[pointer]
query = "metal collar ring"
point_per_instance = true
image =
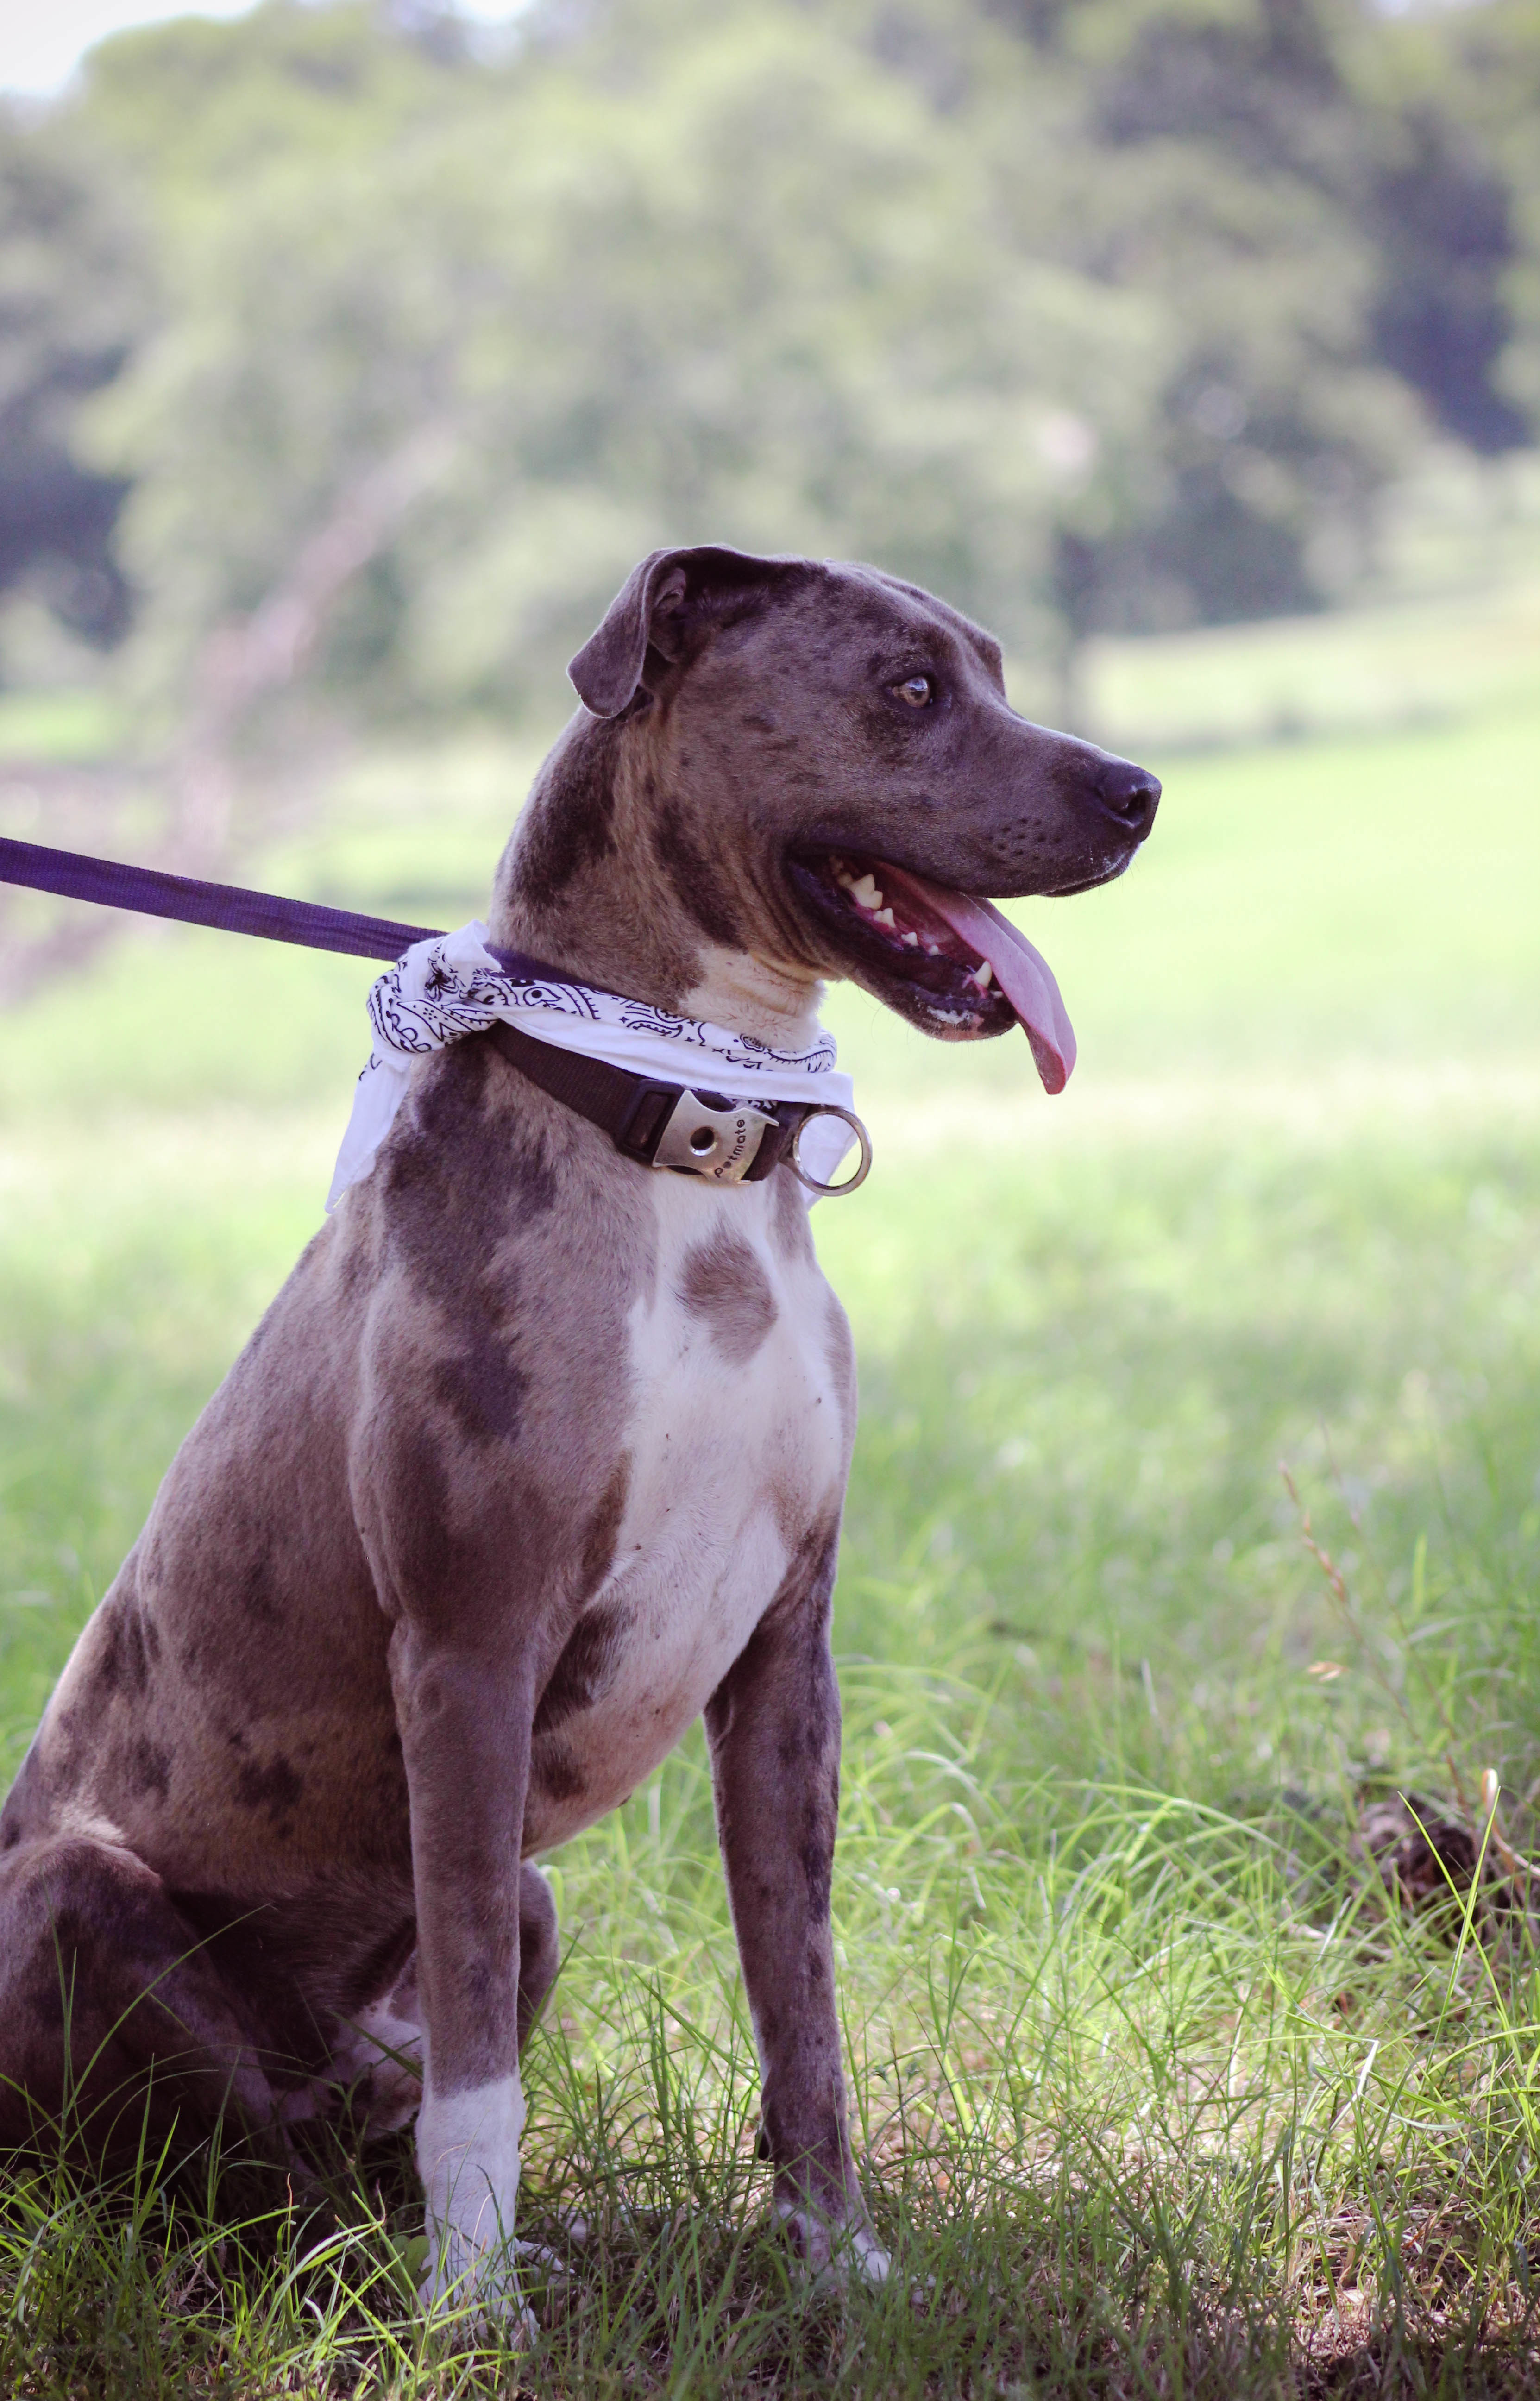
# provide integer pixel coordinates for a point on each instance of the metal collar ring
(831, 1191)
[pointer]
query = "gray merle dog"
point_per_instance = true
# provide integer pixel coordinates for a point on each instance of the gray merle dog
(538, 1453)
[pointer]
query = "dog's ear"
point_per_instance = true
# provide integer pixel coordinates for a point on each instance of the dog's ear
(656, 609)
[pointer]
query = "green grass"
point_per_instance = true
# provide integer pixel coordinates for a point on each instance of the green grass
(1415, 663)
(1160, 2091)
(57, 725)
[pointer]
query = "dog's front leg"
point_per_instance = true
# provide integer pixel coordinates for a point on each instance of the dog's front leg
(774, 1726)
(465, 1722)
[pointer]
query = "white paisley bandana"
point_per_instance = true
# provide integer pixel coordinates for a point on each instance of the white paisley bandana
(451, 985)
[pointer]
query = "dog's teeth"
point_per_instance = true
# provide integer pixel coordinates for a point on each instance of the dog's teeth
(883, 917)
(913, 941)
(933, 949)
(865, 892)
(985, 976)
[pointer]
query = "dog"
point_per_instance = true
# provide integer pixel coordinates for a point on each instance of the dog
(540, 1454)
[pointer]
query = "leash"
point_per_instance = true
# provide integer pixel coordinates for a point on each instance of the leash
(656, 1124)
(152, 893)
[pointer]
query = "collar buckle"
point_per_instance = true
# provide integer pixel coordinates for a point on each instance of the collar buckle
(720, 1144)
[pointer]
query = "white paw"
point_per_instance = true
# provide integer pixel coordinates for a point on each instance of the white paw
(377, 2058)
(542, 2260)
(478, 2286)
(869, 2259)
(839, 2253)
(467, 2147)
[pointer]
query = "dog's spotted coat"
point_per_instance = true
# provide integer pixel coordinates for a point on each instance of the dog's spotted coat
(538, 1456)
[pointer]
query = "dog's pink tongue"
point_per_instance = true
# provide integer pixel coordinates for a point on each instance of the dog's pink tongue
(1022, 974)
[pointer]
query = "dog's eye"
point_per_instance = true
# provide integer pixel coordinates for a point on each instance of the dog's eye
(917, 691)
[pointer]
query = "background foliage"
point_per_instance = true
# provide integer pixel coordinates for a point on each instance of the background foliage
(1109, 316)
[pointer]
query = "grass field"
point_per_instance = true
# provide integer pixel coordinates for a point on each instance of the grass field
(1161, 2092)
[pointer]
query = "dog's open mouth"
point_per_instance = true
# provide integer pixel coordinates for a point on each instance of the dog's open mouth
(953, 964)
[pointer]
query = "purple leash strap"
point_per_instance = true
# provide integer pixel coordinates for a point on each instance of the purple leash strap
(153, 893)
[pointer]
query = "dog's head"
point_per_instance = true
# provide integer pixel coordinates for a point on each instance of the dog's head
(821, 764)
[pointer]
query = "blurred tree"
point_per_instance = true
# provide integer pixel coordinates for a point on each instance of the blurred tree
(1486, 62)
(1443, 221)
(75, 297)
(1392, 121)
(1329, 239)
(1437, 195)
(1114, 314)
(198, 107)
(716, 276)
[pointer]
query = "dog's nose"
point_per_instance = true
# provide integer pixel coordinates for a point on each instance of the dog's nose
(1129, 793)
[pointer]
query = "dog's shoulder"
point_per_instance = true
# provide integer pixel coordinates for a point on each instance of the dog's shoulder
(482, 1175)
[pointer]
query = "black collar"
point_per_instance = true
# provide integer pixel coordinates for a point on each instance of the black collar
(670, 1125)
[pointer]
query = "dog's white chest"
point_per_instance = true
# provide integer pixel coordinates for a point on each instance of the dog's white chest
(738, 1441)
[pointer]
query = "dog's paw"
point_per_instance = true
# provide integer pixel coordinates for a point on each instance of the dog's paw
(467, 2149)
(474, 2291)
(542, 2263)
(838, 2253)
(857, 2259)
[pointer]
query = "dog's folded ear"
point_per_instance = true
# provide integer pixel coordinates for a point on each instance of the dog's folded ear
(658, 609)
